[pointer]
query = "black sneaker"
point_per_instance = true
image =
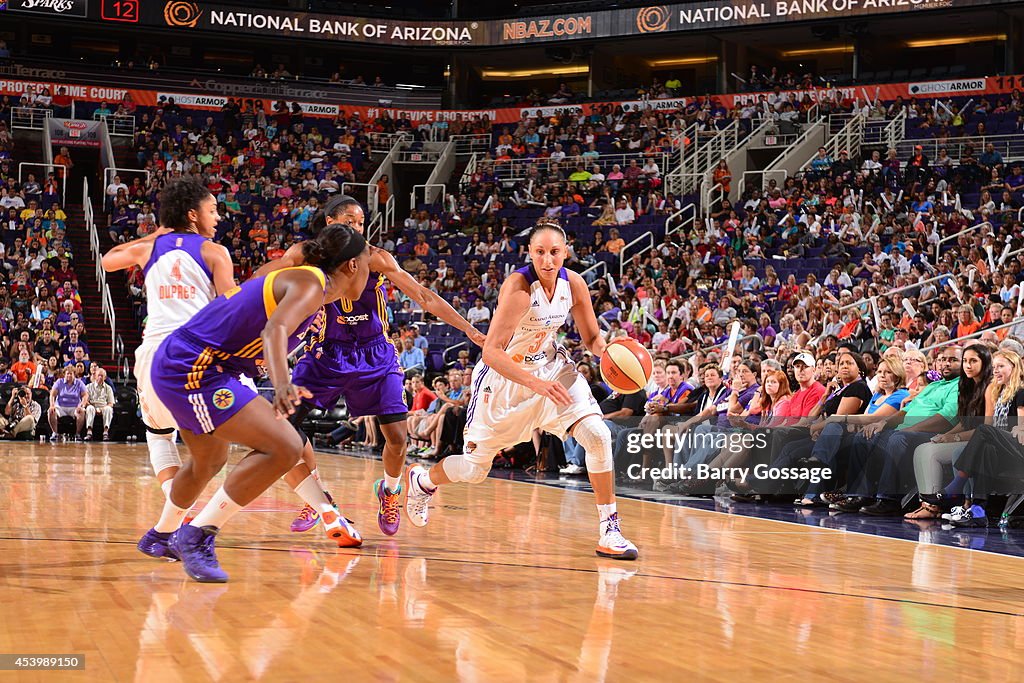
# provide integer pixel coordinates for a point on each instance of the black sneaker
(852, 504)
(882, 508)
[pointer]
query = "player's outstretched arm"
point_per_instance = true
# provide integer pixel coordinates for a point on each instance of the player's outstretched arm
(293, 257)
(584, 317)
(513, 303)
(384, 263)
(134, 253)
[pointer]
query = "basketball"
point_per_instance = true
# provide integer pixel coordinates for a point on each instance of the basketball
(626, 366)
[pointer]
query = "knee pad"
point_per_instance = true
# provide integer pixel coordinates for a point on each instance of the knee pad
(595, 437)
(163, 451)
(461, 468)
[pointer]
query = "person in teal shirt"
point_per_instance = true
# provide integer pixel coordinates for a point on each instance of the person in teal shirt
(894, 438)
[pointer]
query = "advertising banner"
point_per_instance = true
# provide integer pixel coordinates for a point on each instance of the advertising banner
(74, 133)
(192, 15)
(212, 101)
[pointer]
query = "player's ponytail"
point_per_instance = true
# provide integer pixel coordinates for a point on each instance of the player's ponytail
(333, 246)
(312, 253)
(334, 208)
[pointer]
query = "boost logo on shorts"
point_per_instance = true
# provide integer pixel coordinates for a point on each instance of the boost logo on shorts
(223, 398)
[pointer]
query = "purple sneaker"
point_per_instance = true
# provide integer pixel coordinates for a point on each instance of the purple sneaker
(154, 544)
(194, 545)
(306, 520)
(389, 513)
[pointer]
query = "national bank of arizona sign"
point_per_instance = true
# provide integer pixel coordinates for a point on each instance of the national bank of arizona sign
(194, 15)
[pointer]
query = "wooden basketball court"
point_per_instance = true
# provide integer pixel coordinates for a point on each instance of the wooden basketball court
(502, 586)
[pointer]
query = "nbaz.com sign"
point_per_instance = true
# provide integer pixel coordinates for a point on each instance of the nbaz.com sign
(61, 8)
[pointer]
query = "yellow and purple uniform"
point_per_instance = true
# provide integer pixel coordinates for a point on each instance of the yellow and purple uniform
(354, 357)
(196, 370)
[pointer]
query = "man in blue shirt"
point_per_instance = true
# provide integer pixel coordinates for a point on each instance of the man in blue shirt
(419, 342)
(990, 158)
(412, 359)
(1015, 181)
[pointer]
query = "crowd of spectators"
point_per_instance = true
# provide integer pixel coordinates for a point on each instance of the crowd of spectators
(43, 335)
(807, 266)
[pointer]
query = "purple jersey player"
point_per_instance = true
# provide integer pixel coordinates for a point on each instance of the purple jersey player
(357, 360)
(196, 371)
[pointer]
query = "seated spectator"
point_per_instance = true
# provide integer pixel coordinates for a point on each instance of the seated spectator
(624, 214)
(67, 399)
(21, 414)
(479, 313)
(412, 359)
(100, 399)
(25, 368)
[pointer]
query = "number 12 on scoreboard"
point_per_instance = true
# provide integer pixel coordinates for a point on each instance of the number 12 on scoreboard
(120, 10)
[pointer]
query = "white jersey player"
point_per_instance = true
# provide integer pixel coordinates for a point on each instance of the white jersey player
(527, 381)
(184, 271)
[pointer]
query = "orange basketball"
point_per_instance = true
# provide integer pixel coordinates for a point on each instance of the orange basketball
(626, 366)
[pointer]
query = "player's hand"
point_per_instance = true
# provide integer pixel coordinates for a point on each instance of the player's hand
(553, 391)
(287, 397)
(162, 230)
(477, 337)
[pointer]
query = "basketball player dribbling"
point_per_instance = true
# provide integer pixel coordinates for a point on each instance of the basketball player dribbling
(357, 360)
(527, 381)
(196, 375)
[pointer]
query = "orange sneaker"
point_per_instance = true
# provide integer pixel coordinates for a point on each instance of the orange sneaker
(341, 530)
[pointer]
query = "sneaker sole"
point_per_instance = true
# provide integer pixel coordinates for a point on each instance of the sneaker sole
(343, 539)
(167, 554)
(206, 579)
(338, 533)
(630, 554)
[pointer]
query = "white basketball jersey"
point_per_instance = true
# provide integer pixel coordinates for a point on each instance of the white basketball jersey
(178, 283)
(535, 340)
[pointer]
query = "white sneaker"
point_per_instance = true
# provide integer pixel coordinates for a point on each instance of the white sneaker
(572, 468)
(417, 499)
(612, 543)
(956, 514)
